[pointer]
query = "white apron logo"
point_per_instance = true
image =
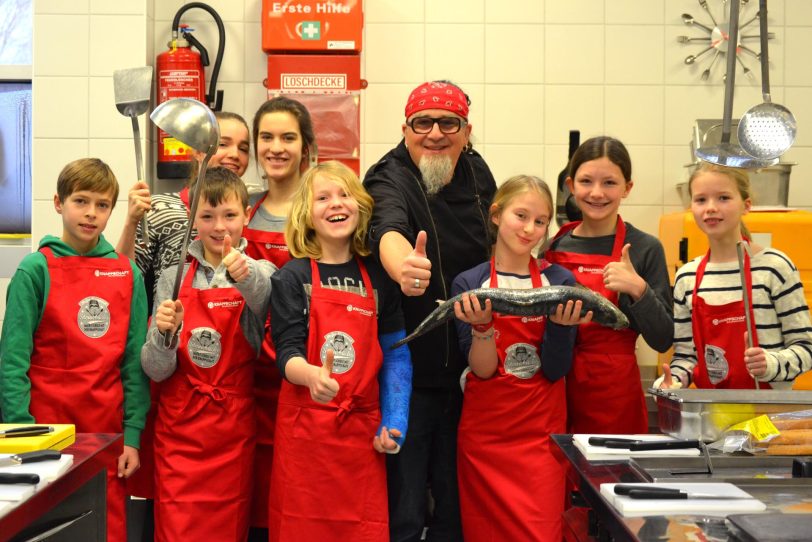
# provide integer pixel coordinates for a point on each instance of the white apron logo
(522, 360)
(728, 320)
(344, 352)
(93, 317)
(365, 312)
(113, 274)
(593, 270)
(205, 347)
(716, 364)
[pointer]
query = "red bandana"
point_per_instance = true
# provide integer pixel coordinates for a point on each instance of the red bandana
(433, 95)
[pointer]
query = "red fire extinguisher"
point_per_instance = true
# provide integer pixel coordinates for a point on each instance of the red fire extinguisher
(181, 75)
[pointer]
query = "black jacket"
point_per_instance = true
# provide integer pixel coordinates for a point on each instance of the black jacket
(455, 221)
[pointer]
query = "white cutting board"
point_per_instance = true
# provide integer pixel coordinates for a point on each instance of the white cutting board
(629, 507)
(48, 471)
(601, 453)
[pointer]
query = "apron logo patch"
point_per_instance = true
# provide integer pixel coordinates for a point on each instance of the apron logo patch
(344, 352)
(283, 248)
(226, 304)
(93, 317)
(526, 319)
(205, 347)
(593, 270)
(716, 364)
(522, 360)
(113, 274)
(728, 320)
(365, 312)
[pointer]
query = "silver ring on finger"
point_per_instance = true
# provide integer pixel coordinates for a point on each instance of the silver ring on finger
(417, 283)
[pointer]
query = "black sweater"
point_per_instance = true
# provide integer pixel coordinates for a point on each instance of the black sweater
(455, 220)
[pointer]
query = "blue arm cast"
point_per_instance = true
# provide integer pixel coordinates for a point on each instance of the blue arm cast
(395, 381)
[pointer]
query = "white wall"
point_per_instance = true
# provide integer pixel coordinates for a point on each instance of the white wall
(534, 69)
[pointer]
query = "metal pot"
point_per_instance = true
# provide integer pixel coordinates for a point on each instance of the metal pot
(770, 185)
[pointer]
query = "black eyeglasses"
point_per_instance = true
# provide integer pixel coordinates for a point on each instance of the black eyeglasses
(424, 125)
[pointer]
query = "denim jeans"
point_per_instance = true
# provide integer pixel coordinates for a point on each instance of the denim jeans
(428, 456)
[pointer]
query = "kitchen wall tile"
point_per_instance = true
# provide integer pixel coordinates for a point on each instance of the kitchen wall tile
(799, 102)
(61, 6)
(565, 64)
(685, 104)
(800, 190)
(117, 42)
(150, 9)
(634, 55)
(634, 114)
(119, 154)
(574, 12)
(228, 10)
(797, 12)
(233, 65)
(514, 53)
(60, 45)
(796, 50)
(372, 152)
(252, 11)
(508, 160)
(45, 220)
(255, 95)
(383, 106)
(394, 53)
(635, 12)
(647, 174)
(462, 46)
(107, 122)
(63, 113)
(51, 155)
(570, 107)
(119, 7)
(675, 157)
(394, 11)
(514, 113)
(233, 98)
(455, 11)
(555, 159)
(514, 11)
(476, 114)
(165, 10)
(643, 217)
(254, 58)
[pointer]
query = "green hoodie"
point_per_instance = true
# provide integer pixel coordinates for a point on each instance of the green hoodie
(25, 303)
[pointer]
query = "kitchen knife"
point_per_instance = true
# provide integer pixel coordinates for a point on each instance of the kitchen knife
(30, 457)
(644, 446)
(19, 478)
(678, 494)
(26, 431)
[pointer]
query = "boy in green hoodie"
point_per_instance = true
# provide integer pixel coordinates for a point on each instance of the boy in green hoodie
(70, 348)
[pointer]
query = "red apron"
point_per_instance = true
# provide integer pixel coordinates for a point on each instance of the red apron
(604, 393)
(328, 483)
(511, 486)
(271, 246)
(76, 362)
(205, 429)
(142, 483)
(719, 338)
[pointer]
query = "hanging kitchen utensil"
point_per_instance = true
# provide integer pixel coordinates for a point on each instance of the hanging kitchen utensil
(767, 130)
(195, 125)
(132, 88)
(746, 298)
(725, 153)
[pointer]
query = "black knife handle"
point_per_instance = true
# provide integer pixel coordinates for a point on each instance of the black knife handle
(601, 441)
(663, 445)
(624, 489)
(29, 431)
(19, 478)
(39, 455)
(657, 494)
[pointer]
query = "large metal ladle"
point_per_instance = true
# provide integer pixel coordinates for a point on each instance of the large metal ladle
(767, 130)
(193, 124)
(725, 153)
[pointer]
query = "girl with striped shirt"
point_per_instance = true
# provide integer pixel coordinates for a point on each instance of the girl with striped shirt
(710, 330)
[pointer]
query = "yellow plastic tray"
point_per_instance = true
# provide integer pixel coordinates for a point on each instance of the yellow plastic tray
(63, 436)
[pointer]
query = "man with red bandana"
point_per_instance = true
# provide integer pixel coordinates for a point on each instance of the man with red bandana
(432, 193)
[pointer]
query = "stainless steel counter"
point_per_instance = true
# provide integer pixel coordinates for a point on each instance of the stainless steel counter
(779, 492)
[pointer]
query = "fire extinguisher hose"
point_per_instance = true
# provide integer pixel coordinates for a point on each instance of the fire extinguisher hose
(214, 98)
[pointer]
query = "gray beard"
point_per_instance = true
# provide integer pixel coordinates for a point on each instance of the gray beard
(436, 172)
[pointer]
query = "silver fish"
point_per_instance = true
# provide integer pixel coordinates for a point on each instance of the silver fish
(528, 302)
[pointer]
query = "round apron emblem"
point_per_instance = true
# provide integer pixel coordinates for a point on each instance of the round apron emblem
(522, 360)
(93, 317)
(344, 352)
(716, 363)
(204, 347)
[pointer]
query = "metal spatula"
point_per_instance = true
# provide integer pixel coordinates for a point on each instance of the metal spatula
(133, 87)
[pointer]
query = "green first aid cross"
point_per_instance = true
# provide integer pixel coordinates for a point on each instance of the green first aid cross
(311, 30)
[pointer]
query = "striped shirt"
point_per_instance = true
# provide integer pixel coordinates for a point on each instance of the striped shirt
(780, 311)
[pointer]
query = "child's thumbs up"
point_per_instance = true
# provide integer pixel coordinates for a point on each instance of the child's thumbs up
(415, 273)
(226, 245)
(234, 261)
(325, 386)
(624, 254)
